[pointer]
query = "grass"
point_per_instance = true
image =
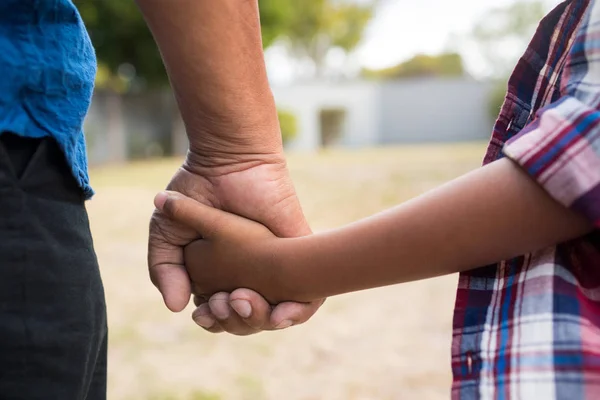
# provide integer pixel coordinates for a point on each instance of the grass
(383, 344)
(195, 395)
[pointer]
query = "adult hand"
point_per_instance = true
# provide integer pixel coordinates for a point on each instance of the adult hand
(257, 187)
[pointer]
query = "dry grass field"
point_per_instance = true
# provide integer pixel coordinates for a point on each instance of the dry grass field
(390, 343)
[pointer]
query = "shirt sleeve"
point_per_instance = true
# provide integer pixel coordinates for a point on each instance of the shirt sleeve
(560, 149)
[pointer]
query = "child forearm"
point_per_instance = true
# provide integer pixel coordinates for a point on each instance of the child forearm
(494, 213)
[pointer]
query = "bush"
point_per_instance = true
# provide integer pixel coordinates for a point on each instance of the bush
(496, 99)
(288, 124)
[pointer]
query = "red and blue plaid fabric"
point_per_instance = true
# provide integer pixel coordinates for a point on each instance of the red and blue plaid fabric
(529, 328)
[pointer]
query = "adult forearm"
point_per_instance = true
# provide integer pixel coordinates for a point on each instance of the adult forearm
(491, 214)
(213, 54)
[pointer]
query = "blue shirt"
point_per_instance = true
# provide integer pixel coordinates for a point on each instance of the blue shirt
(47, 72)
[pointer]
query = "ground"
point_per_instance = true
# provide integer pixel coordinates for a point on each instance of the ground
(390, 343)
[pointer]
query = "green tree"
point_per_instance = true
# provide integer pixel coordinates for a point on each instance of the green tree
(312, 27)
(275, 16)
(125, 47)
(509, 27)
(422, 65)
(501, 28)
(128, 57)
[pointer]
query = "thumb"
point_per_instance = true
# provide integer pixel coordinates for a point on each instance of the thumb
(207, 221)
(165, 260)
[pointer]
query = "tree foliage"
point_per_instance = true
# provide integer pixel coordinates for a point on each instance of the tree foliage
(274, 19)
(421, 65)
(121, 39)
(501, 28)
(124, 45)
(504, 28)
(313, 27)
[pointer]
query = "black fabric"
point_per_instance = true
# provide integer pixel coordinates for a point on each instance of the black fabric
(53, 333)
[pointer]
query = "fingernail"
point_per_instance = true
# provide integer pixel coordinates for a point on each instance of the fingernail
(242, 307)
(204, 321)
(284, 324)
(160, 200)
(220, 309)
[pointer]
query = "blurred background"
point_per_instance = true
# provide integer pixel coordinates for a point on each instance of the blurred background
(379, 101)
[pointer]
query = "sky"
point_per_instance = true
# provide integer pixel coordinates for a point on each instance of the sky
(402, 28)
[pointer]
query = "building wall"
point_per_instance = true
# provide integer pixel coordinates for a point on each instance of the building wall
(360, 100)
(119, 128)
(434, 110)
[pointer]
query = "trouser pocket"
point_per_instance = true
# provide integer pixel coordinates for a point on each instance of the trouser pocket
(18, 153)
(38, 167)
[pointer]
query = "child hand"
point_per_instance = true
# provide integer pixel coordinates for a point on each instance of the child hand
(235, 252)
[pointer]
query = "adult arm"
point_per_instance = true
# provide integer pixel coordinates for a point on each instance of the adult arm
(213, 54)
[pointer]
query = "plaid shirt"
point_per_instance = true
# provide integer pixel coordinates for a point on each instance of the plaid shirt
(529, 328)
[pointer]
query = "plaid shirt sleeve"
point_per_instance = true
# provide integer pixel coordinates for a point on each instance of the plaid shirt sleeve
(560, 148)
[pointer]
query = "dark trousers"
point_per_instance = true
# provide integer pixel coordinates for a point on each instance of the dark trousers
(53, 331)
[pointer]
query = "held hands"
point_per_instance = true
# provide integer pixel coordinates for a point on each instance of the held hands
(235, 160)
(234, 251)
(259, 190)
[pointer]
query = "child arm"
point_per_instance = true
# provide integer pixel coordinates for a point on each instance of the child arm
(494, 213)
(490, 214)
(509, 208)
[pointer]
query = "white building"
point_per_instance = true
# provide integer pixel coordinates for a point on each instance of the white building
(364, 113)
(351, 114)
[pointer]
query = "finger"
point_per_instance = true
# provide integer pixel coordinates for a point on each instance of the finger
(173, 283)
(200, 299)
(204, 319)
(251, 307)
(289, 314)
(204, 219)
(168, 274)
(229, 320)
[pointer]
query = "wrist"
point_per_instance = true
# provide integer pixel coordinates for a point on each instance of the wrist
(209, 161)
(234, 135)
(271, 260)
(285, 261)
